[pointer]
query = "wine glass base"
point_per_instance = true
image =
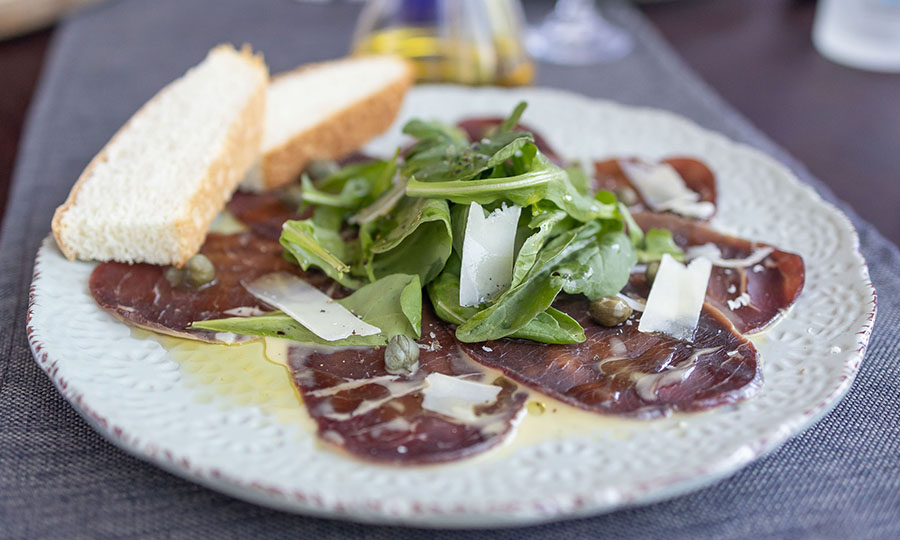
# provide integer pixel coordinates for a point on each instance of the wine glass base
(578, 43)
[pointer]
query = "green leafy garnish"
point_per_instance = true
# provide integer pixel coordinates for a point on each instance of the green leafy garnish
(393, 304)
(378, 222)
(415, 238)
(552, 326)
(655, 244)
(309, 244)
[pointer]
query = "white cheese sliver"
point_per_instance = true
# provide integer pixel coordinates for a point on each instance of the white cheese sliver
(309, 306)
(487, 254)
(663, 189)
(712, 252)
(455, 397)
(676, 298)
(634, 303)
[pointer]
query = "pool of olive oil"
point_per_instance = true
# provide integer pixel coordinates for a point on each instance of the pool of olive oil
(256, 374)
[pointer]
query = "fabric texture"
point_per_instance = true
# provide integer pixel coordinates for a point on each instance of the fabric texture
(59, 479)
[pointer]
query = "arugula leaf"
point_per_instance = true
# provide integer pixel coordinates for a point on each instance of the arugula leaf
(635, 234)
(545, 180)
(434, 133)
(656, 243)
(515, 310)
(601, 268)
(393, 304)
(594, 259)
(352, 194)
(580, 179)
(371, 171)
(384, 204)
(351, 187)
(512, 120)
(415, 238)
(444, 294)
(443, 152)
(546, 223)
(310, 244)
(464, 163)
(550, 326)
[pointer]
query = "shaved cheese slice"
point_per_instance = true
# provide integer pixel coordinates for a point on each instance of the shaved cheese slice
(455, 397)
(309, 306)
(676, 298)
(487, 254)
(634, 303)
(663, 189)
(714, 254)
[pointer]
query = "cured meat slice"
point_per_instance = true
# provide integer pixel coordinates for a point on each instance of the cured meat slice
(608, 175)
(141, 295)
(262, 213)
(622, 371)
(377, 416)
(759, 282)
(477, 128)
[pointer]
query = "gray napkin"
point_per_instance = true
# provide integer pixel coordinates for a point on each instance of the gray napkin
(59, 479)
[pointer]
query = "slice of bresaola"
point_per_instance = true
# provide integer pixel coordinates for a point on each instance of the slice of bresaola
(608, 175)
(622, 371)
(751, 283)
(377, 416)
(262, 213)
(141, 295)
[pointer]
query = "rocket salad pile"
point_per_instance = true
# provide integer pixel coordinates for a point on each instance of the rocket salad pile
(492, 229)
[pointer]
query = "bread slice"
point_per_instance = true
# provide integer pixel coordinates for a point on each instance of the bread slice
(152, 192)
(327, 111)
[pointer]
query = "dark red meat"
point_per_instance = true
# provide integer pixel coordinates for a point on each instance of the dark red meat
(262, 213)
(361, 408)
(773, 284)
(140, 293)
(697, 177)
(626, 372)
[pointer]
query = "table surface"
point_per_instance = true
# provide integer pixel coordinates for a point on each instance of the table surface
(757, 55)
(839, 479)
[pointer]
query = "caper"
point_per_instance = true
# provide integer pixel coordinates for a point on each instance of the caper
(650, 272)
(318, 169)
(627, 196)
(199, 270)
(609, 310)
(401, 356)
(175, 276)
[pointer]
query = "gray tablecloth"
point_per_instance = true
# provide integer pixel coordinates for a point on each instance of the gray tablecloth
(840, 479)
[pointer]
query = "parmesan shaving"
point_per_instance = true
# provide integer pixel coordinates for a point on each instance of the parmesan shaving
(663, 189)
(309, 306)
(676, 298)
(455, 397)
(487, 254)
(714, 254)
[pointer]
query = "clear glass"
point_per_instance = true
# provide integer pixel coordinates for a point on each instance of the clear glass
(471, 42)
(864, 34)
(575, 34)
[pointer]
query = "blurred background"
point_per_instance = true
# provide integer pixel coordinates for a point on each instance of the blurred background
(820, 78)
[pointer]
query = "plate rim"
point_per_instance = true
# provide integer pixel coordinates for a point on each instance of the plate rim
(526, 512)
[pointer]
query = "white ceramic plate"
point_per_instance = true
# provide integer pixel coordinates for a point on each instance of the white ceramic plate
(133, 392)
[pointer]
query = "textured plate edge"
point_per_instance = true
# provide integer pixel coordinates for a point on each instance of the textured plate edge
(505, 514)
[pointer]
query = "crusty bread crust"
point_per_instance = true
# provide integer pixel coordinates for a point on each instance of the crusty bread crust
(241, 149)
(337, 136)
(225, 173)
